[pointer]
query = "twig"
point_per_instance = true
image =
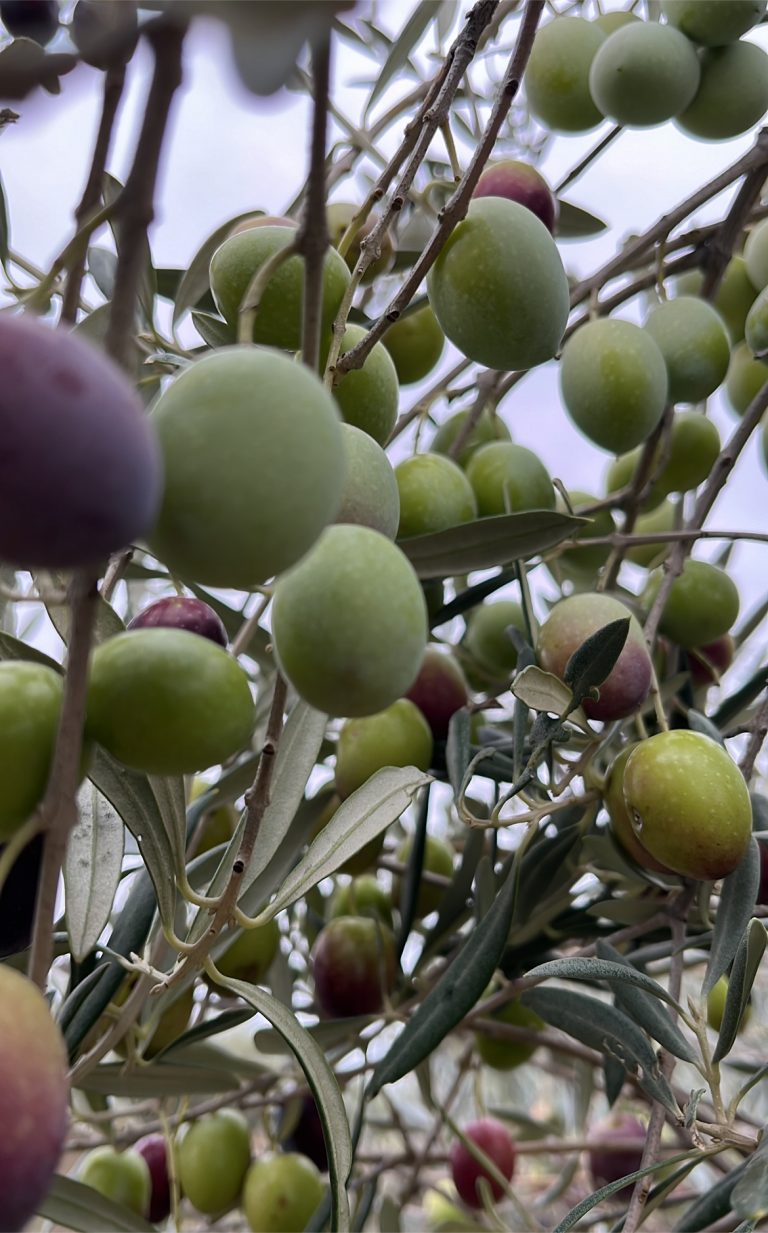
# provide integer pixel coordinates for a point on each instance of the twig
(58, 811)
(588, 159)
(754, 158)
(667, 1065)
(135, 205)
(312, 240)
(114, 82)
(256, 801)
(720, 247)
(721, 470)
(757, 737)
(456, 208)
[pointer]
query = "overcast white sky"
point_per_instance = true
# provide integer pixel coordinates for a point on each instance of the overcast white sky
(229, 152)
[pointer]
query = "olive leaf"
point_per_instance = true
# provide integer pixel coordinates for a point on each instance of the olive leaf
(737, 903)
(593, 661)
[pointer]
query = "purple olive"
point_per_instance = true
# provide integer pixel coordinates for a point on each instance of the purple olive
(182, 612)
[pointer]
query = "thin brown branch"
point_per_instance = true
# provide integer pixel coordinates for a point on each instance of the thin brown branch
(135, 205)
(456, 208)
(58, 811)
(720, 247)
(667, 1065)
(754, 158)
(589, 158)
(114, 81)
(312, 240)
(757, 737)
(256, 801)
(706, 499)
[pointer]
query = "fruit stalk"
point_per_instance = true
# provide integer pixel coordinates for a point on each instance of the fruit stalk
(461, 55)
(312, 240)
(256, 800)
(135, 206)
(58, 811)
(706, 499)
(114, 81)
(667, 1065)
(756, 157)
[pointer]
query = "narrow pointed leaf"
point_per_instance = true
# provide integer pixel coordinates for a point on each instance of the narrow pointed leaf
(324, 1088)
(213, 330)
(160, 1079)
(453, 996)
(541, 691)
(603, 1027)
(404, 44)
(737, 903)
(574, 223)
(594, 660)
(577, 1213)
(749, 1197)
(73, 1205)
(132, 797)
(645, 1010)
(358, 820)
(742, 978)
(92, 869)
(487, 542)
(601, 969)
(713, 1205)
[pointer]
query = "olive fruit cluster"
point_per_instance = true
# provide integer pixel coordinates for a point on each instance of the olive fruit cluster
(695, 69)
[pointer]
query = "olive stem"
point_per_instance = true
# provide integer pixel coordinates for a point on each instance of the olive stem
(312, 239)
(456, 207)
(135, 204)
(114, 82)
(58, 811)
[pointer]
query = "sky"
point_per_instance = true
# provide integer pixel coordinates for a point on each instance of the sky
(229, 151)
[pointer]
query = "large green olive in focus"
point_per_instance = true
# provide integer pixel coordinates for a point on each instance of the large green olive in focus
(349, 623)
(254, 467)
(689, 803)
(557, 76)
(435, 494)
(368, 397)
(168, 702)
(614, 383)
(702, 604)
(693, 339)
(508, 478)
(30, 701)
(498, 288)
(732, 95)
(643, 74)
(278, 321)
(621, 821)
(713, 22)
(415, 342)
